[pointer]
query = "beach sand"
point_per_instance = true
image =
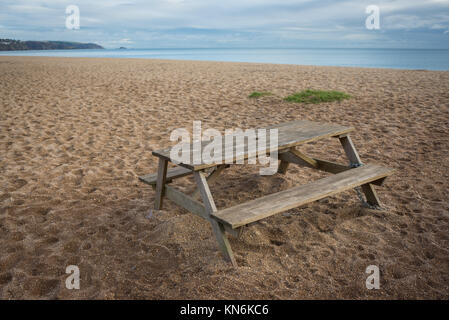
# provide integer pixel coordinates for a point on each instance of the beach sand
(75, 133)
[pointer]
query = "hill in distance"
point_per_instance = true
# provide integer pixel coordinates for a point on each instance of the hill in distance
(12, 45)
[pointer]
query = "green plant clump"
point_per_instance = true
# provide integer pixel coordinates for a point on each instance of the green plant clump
(257, 94)
(317, 96)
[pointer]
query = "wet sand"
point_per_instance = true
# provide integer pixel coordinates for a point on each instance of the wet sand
(75, 133)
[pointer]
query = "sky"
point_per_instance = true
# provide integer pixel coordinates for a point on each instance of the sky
(422, 24)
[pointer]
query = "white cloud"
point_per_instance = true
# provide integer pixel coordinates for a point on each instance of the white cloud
(258, 22)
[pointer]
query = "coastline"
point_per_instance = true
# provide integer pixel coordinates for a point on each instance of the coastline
(218, 62)
(75, 133)
(403, 59)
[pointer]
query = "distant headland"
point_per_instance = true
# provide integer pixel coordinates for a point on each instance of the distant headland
(13, 45)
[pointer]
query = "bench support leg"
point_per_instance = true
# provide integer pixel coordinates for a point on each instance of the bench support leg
(299, 158)
(283, 167)
(217, 227)
(371, 196)
(210, 178)
(354, 159)
(304, 158)
(350, 150)
(160, 183)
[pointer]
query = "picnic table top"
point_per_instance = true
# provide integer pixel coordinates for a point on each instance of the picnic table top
(290, 134)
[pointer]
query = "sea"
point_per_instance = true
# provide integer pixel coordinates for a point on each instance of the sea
(416, 59)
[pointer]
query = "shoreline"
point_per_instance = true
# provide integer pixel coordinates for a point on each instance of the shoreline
(214, 61)
(398, 59)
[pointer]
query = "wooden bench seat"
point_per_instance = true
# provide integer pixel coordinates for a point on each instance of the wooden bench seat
(172, 173)
(258, 209)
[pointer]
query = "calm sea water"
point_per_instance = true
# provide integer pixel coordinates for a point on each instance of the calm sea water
(430, 59)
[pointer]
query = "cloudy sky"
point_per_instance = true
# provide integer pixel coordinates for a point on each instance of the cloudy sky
(231, 23)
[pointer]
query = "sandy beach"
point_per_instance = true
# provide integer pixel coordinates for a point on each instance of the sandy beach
(75, 134)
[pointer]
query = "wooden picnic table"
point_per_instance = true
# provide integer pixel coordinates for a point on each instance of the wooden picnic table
(290, 135)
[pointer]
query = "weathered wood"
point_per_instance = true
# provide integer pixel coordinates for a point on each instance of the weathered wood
(210, 179)
(283, 166)
(291, 158)
(371, 195)
(172, 173)
(258, 209)
(330, 166)
(194, 206)
(354, 159)
(236, 233)
(160, 183)
(206, 195)
(350, 150)
(217, 227)
(289, 135)
(312, 162)
(214, 175)
(379, 182)
(188, 203)
(315, 163)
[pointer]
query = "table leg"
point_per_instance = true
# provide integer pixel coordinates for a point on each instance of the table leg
(160, 183)
(350, 150)
(217, 227)
(371, 195)
(283, 166)
(354, 159)
(210, 178)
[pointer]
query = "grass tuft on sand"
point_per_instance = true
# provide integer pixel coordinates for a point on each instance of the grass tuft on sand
(317, 96)
(258, 94)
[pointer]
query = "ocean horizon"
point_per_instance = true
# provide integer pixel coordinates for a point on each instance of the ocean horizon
(422, 59)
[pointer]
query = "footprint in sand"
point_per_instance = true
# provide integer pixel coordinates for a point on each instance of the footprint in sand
(42, 288)
(5, 278)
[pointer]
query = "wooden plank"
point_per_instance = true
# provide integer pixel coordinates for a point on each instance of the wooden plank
(217, 227)
(289, 134)
(350, 150)
(371, 195)
(194, 206)
(160, 183)
(283, 166)
(312, 162)
(206, 195)
(378, 182)
(172, 173)
(321, 164)
(236, 233)
(291, 158)
(210, 179)
(188, 203)
(257, 209)
(330, 166)
(354, 159)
